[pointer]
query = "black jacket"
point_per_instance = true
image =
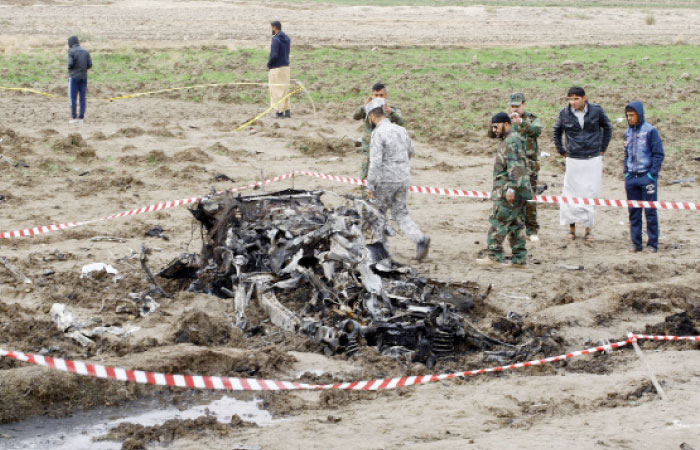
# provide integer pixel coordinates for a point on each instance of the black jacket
(592, 141)
(279, 51)
(79, 60)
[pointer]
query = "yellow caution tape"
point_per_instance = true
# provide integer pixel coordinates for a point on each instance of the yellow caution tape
(33, 91)
(264, 113)
(141, 94)
(300, 88)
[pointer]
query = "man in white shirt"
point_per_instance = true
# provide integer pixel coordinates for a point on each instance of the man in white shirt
(588, 132)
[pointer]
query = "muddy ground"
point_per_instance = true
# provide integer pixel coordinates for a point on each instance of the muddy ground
(146, 150)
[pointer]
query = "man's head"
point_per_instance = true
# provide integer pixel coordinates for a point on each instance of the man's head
(375, 111)
(375, 116)
(276, 27)
(379, 90)
(632, 116)
(517, 103)
(73, 40)
(577, 98)
(500, 125)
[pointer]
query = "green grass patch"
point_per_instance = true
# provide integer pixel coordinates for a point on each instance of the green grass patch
(444, 93)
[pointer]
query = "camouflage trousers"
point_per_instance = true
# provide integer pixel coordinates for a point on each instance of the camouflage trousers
(530, 218)
(507, 221)
(393, 196)
(364, 168)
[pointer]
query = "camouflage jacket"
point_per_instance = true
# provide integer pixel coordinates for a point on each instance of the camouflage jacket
(530, 130)
(511, 169)
(390, 152)
(361, 114)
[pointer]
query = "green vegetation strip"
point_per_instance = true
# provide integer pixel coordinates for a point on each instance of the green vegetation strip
(443, 92)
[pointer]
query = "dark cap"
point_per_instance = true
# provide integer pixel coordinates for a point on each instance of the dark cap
(516, 99)
(501, 117)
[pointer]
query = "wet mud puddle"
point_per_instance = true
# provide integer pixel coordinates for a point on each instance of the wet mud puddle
(78, 431)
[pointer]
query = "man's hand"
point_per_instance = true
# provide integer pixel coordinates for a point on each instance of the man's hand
(516, 119)
(370, 195)
(369, 99)
(387, 109)
(510, 196)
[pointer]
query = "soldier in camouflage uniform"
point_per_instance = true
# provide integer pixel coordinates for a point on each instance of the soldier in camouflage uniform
(389, 175)
(511, 190)
(394, 114)
(530, 128)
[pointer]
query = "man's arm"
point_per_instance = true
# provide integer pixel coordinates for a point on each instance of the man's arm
(657, 152)
(359, 113)
(376, 150)
(396, 117)
(500, 175)
(89, 60)
(518, 174)
(558, 131)
(274, 53)
(607, 130)
(71, 61)
(531, 129)
(624, 161)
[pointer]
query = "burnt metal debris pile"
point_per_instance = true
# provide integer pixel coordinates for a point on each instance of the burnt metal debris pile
(311, 271)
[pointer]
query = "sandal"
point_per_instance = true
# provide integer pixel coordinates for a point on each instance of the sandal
(589, 237)
(571, 235)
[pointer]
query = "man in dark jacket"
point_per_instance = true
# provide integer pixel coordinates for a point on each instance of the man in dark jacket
(79, 62)
(279, 75)
(644, 154)
(588, 132)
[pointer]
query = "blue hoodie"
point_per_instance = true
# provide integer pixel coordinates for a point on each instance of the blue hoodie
(644, 152)
(279, 51)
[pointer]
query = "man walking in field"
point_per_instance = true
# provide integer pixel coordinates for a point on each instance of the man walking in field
(588, 132)
(530, 128)
(394, 114)
(644, 154)
(511, 191)
(389, 174)
(279, 75)
(79, 62)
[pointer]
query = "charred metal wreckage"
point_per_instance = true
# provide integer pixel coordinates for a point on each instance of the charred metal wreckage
(312, 271)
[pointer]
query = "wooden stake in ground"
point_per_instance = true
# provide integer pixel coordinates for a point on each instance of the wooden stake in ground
(654, 381)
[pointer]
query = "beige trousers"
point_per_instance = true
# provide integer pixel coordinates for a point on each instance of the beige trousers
(280, 75)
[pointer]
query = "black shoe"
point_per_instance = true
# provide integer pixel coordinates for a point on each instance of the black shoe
(422, 248)
(279, 115)
(288, 114)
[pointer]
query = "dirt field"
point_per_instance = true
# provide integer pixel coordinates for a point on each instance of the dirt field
(146, 150)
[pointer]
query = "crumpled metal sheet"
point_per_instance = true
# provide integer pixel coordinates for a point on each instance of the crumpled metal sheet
(288, 246)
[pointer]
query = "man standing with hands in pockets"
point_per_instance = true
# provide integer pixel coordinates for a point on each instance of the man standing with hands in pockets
(279, 75)
(644, 154)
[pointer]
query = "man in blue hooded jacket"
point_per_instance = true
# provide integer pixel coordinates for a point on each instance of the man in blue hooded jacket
(644, 154)
(279, 75)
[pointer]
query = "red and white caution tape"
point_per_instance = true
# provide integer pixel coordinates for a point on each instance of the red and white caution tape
(616, 203)
(145, 209)
(359, 182)
(256, 384)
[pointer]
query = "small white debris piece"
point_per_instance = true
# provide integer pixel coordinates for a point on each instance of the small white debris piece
(97, 267)
(62, 318)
